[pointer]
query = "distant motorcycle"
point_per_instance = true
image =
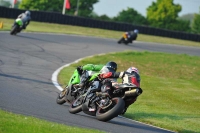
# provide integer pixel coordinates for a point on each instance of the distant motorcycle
(100, 104)
(129, 37)
(124, 39)
(17, 27)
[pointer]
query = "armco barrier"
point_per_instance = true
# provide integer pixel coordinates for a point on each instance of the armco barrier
(54, 17)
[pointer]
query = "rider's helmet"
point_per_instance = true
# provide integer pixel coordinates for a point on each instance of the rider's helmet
(136, 31)
(133, 70)
(28, 13)
(112, 65)
(109, 67)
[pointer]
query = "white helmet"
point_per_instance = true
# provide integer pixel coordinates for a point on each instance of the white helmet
(28, 13)
(136, 31)
(132, 69)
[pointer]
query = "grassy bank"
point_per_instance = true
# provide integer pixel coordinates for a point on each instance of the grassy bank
(68, 29)
(12, 123)
(170, 85)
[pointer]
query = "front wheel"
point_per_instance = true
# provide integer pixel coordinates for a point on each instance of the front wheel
(76, 106)
(61, 97)
(121, 40)
(14, 30)
(112, 111)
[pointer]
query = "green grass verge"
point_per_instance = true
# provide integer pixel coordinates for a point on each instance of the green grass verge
(12, 123)
(68, 29)
(170, 85)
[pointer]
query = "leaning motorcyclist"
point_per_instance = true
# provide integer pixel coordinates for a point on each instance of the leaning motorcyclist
(26, 18)
(132, 35)
(129, 37)
(109, 67)
(128, 77)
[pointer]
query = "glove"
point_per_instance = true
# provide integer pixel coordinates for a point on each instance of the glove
(100, 76)
(105, 75)
(80, 70)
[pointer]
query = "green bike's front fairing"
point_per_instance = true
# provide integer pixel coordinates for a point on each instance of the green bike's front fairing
(75, 78)
(19, 22)
(92, 69)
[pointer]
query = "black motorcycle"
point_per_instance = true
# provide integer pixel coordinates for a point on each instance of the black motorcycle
(128, 37)
(125, 39)
(100, 104)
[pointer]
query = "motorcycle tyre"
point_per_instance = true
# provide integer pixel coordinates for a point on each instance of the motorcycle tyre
(60, 100)
(126, 42)
(115, 111)
(75, 109)
(120, 41)
(13, 30)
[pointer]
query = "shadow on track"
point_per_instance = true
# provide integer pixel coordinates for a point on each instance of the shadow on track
(33, 38)
(21, 78)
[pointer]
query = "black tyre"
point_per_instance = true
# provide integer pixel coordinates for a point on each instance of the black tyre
(14, 30)
(120, 41)
(126, 42)
(76, 106)
(61, 97)
(114, 110)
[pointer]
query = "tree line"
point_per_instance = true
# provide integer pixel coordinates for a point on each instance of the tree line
(160, 14)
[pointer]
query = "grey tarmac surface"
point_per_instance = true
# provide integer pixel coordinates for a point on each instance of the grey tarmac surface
(28, 60)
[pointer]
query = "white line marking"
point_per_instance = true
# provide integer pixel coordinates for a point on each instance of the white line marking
(55, 74)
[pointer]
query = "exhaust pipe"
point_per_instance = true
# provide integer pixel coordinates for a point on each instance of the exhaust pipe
(133, 93)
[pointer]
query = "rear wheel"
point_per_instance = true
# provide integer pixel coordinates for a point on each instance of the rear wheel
(112, 111)
(126, 42)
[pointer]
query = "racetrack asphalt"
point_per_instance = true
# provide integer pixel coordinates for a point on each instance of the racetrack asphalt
(28, 60)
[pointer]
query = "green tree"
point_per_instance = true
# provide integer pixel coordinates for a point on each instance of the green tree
(130, 16)
(85, 7)
(104, 18)
(164, 14)
(42, 5)
(5, 3)
(196, 23)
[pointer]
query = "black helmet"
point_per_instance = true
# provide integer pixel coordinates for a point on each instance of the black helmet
(112, 65)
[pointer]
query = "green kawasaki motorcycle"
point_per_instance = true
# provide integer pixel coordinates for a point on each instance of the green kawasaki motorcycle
(16, 28)
(77, 86)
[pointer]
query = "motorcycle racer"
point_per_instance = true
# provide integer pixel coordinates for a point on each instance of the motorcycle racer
(109, 67)
(129, 36)
(26, 18)
(78, 79)
(130, 76)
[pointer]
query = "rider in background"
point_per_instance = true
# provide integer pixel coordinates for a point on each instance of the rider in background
(129, 37)
(132, 35)
(26, 18)
(130, 76)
